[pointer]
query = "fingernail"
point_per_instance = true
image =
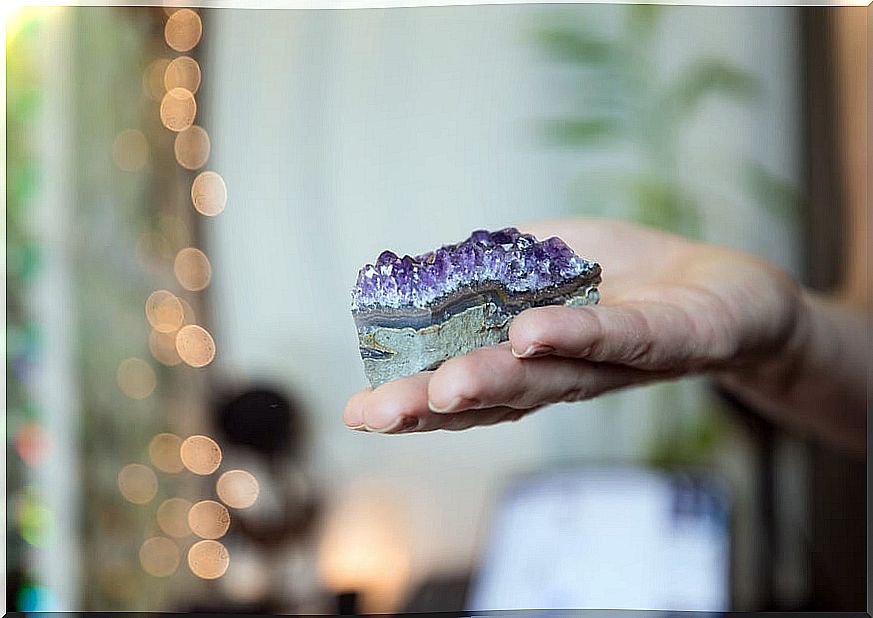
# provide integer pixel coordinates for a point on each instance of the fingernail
(534, 350)
(409, 424)
(458, 403)
(403, 423)
(358, 427)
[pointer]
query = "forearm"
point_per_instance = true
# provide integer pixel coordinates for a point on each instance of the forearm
(818, 383)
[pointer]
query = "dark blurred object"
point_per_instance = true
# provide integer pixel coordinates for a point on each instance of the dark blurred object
(262, 419)
(347, 603)
(441, 593)
(263, 423)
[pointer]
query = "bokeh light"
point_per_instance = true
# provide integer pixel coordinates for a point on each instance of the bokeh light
(200, 454)
(248, 579)
(31, 444)
(178, 109)
(238, 489)
(209, 519)
(192, 269)
(137, 483)
(183, 30)
(208, 559)
(164, 453)
(35, 520)
(153, 79)
(159, 556)
(163, 348)
(195, 345)
(164, 311)
(365, 547)
(188, 315)
(209, 194)
(36, 599)
(130, 150)
(172, 517)
(136, 378)
(192, 147)
(182, 72)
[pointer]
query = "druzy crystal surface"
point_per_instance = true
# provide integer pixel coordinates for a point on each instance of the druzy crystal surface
(413, 313)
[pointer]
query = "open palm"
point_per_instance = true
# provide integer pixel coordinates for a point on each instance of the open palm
(669, 307)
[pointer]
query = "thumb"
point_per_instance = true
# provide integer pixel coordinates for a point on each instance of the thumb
(646, 335)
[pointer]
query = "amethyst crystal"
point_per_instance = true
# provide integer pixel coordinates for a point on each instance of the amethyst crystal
(414, 313)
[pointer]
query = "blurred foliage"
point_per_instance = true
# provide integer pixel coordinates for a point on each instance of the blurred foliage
(623, 103)
(625, 106)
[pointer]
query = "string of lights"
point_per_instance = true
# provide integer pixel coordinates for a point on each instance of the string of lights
(176, 338)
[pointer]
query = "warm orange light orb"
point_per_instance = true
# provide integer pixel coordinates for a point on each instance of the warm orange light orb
(200, 454)
(192, 147)
(183, 30)
(192, 269)
(208, 559)
(178, 109)
(195, 345)
(159, 556)
(209, 194)
(173, 517)
(164, 452)
(164, 311)
(238, 489)
(209, 519)
(137, 483)
(182, 72)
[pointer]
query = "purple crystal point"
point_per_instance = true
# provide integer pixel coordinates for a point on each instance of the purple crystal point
(514, 261)
(482, 237)
(386, 257)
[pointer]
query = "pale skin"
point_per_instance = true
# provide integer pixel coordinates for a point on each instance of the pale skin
(670, 307)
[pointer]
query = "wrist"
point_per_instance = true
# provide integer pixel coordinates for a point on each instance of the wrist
(784, 358)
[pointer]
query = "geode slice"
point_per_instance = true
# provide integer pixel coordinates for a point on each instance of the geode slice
(412, 314)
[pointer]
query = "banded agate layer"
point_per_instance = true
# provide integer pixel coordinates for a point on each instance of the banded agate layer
(414, 313)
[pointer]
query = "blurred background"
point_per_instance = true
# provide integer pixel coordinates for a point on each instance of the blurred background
(190, 193)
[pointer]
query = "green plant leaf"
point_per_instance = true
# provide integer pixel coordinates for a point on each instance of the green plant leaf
(703, 78)
(773, 193)
(583, 131)
(643, 21)
(578, 47)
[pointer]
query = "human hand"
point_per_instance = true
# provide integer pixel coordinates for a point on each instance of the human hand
(669, 307)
